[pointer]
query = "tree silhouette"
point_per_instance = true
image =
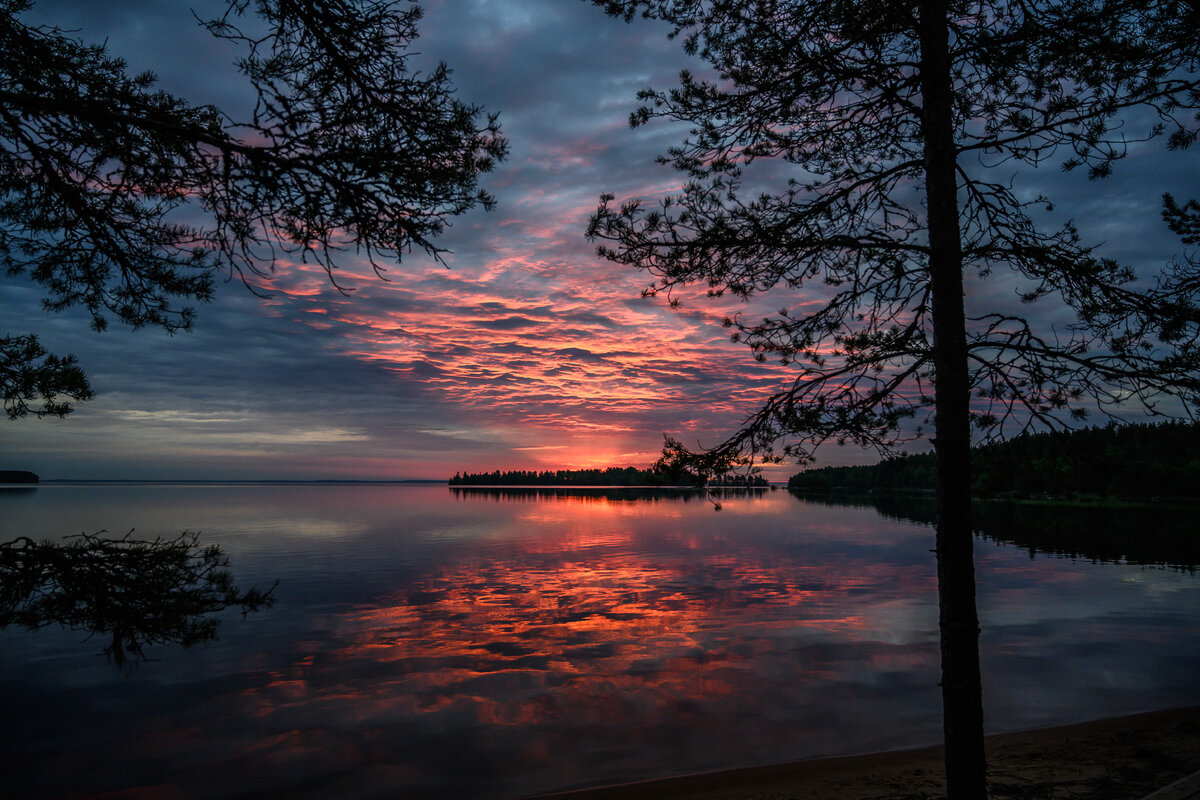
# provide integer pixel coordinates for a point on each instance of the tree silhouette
(29, 374)
(136, 592)
(885, 123)
(127, 201)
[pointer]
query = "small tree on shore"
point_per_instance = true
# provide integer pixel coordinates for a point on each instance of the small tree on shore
(126, 200)
(884, 122)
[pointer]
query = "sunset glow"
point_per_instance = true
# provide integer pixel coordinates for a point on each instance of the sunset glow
(525, 350)
(518, 399)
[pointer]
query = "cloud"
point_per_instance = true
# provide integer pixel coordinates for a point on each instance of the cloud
(530, 349)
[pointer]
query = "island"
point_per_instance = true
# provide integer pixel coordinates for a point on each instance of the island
(17, 476)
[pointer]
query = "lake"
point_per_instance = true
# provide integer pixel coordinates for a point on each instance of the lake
(429, 642)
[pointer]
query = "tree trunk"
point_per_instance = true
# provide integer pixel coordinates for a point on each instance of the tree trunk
(962, 701)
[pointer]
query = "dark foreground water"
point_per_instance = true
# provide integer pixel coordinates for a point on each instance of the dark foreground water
(428, 643)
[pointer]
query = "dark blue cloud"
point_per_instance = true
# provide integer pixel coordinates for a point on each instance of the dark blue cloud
(528, 341)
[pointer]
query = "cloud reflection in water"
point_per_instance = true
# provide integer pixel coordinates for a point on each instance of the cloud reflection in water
(429, 643)
(607, 641)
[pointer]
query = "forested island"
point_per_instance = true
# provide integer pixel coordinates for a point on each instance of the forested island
(609, 476)
(1115, 461)
(17, 476)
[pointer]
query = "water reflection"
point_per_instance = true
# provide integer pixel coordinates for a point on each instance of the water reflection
(132, 593)
(622, 646)
(1161, 536)
(438, 644)
(604, 494)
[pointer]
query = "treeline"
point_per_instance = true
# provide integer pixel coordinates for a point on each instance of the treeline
(1146, 460)
(610, 476)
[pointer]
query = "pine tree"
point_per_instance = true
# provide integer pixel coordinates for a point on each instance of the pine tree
(127, 201)
(882, 121)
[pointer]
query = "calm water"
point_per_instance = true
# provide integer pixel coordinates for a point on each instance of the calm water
(428, 643)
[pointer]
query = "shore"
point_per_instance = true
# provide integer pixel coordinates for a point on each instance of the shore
(1110, 759)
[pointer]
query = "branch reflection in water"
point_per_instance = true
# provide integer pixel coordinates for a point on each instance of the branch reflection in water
(135, 592)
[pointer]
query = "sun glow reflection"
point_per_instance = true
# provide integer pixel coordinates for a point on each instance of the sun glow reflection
(589, 627)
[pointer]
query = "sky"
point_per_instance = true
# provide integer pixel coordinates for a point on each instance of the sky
(525, 350)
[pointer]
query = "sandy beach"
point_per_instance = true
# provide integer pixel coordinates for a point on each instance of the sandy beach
(1111, 759)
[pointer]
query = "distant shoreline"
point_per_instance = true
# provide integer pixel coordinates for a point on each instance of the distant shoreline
(246, 481)
(354, 482)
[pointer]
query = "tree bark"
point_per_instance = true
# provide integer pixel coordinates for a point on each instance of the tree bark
(962, 701)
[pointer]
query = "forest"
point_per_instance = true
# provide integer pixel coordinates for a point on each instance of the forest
(1113, 461)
